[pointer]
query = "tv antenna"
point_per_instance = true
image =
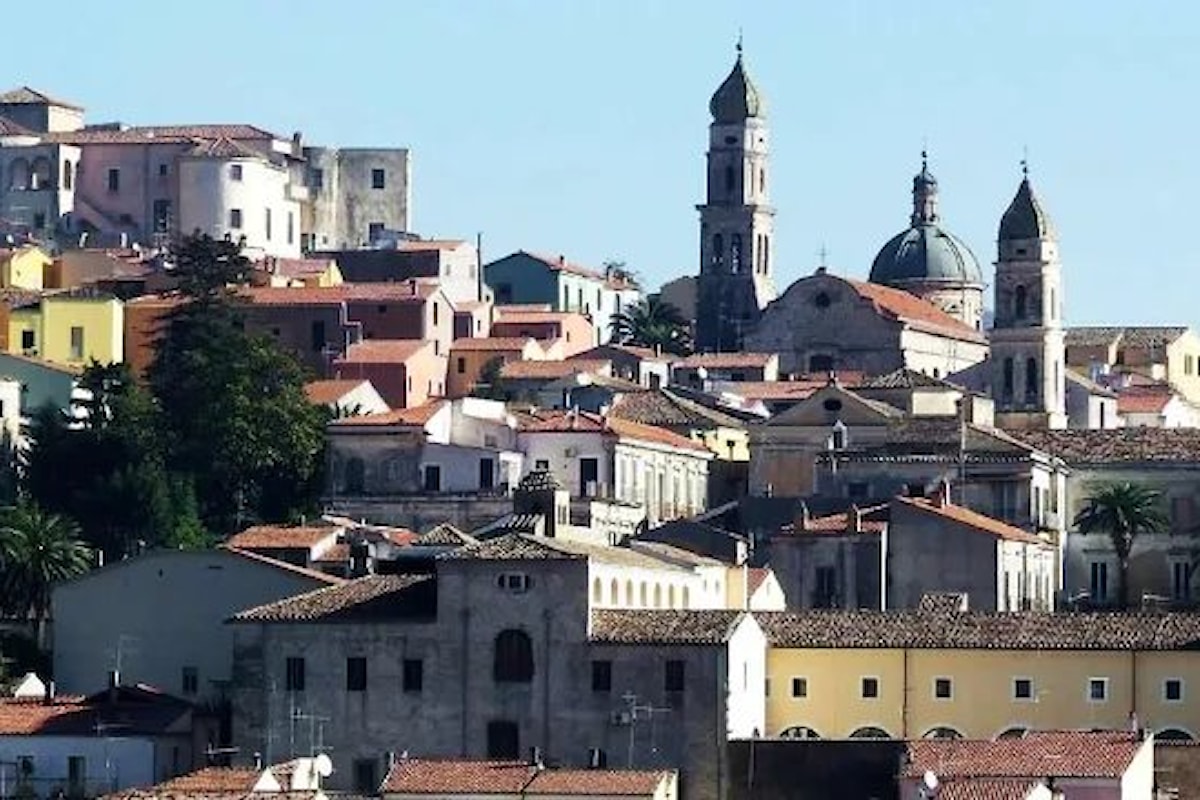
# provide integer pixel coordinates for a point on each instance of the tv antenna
(638, 711)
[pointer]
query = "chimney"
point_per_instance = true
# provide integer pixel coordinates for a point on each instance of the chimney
(412, 285)
(48, 697)
(562, 259)
(802, 518)
(941, 496)
(535, 757)
(258, 764)
(114, 686)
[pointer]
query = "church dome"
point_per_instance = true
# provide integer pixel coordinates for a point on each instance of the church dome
(737, 99)
(1025, 218)
(925, 252)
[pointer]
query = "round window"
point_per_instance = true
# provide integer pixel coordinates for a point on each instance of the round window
(822, 300)
(832, 404)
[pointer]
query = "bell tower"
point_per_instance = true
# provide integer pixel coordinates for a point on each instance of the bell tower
(736, 219)
(1028, 354)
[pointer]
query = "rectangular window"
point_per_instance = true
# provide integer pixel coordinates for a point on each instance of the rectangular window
(943, 688)
(356, 674)
(318, 335)
(316, 178)
(163, 169)
(294, 674)
(76, 775)
(28, 340)
(291, 227)
(378, 179)
(799, 687)
(235, 172)
(268, 224)
(39, 220)
(235, 218)
(191, 680)
(433, 478)
(1098, 585)
(365, 781)
(1022, 689)
(601, 676)
(76, 343)
(414, 674)
(114, 180)
(673, 676)
(826, 593)
(870, 688)
(374, 231)
(541, 464)
(1098, 690)
(460, 365)
(1181, 580)
(162, 215)
(1173, 690)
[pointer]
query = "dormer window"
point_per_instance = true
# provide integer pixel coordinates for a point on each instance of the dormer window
(837, 437)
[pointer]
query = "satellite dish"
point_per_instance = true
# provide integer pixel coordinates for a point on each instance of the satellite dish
(931, 781)
(324, 766)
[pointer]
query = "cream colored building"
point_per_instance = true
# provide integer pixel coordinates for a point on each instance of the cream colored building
(1161, 353)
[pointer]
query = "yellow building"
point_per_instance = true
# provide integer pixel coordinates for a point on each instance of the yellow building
(941, 672)
(1161, 353)
(72, 327)
(24, 267)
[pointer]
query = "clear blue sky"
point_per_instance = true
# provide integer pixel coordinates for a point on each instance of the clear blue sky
(579, 127)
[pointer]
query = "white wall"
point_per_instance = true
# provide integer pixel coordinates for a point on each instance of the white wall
(746, 714)
(208, 193)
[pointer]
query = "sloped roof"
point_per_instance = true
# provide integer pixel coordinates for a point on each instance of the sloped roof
(280, 537)
(906, 378)
(504, 343)
(530, 547)
(443, 535)
(677, 627)
(367, 598)
(1129, 335)
(666, 408)
(1179, 446)
(596, 782)
(973, 519)
(986, 788)
(518, 370)
(1058, 754)
(325, 392)
(384, 351)
(560, 264)
(572, 421)
(212, 780)
(415, 417)
(410, 291)
(150, 134)
(1088, 384)
(24, 95)
(223, 147)
(10, 128)
(450, 777)
(900, 305)
(724, 360)
(1144, 399)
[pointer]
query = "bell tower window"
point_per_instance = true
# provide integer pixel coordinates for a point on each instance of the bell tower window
(1031, 378)
(718, 250)
(1020, 301)
(1007, 390)
(728, 180)
(735, 256)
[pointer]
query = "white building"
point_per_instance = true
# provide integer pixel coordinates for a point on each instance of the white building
(227, 188)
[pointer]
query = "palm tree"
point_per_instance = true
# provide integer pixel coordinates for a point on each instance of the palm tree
(1124, 511)
(653, 323)
(37, 550)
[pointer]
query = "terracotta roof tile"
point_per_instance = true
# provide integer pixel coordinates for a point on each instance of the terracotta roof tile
(1040, 754)
(1117, 445)
(1130, 336)
(755, 577)
(643, 353)
(596, 782)
(384, 351)
(23, 95)
(873, 519)
(279, 537)
(453, 777)
(151, 134)
(693, 627)
(1144, 399)
(422, 245)
(519, 315)
(23, 717)
(558, 421)
(550, 369)
(905, 378)
(530, 547)
(443, 535)
(909, 308)
(212, 780)
(986, 788)
(298, 267)
(724, 360)
(415, 417)
(973, 519)
(797, 388)
(1024, 630)
(323, 393)
(560, 264)
(508, 343)
(371, 597)
(401, 292)
(666, 408)
(223, 147)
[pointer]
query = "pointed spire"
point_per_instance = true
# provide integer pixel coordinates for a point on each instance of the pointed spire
(1025, 218)
(925, 191)
(737, 99)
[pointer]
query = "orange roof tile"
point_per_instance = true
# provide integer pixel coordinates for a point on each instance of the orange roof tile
(212, 780)
(1041, 754)
(986, 788)
(724, 360)
(1144, 399)
(428, 776)
(560, 264)
(514, 344)
(557, 421)
(516, 317)
(21, 717)
(974, 519)
(840, 522)
(906, 307)
(551, 369)
(414, 417)
(411, 291)
(279, 537)
(322, 393)
(384, 351)
(298, 267)
(585, 782)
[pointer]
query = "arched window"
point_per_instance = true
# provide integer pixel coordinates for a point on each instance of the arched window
(40, 173)
(1013, 733)
(1020, 301)
(658, 595)
(68, 175)
(512, 661)
(1031, 380)
(942, 732)
(799, 732)
(642, 595)
(870, 733)
(614, 593)
(355, 476)
(687, 600)
(766, 253)
(597, 591)
(629, 593)
(1007, 389)
(762, 179)
(670, 597)
(18, 174)
(1173, 735)
(718, 250)
(735, 253)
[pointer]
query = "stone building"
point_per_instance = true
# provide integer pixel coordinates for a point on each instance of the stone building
(355, 195)
(824, 322)
(736, 218)
(500, 651)
(930, 262)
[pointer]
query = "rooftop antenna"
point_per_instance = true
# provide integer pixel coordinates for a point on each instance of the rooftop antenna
(638, 712)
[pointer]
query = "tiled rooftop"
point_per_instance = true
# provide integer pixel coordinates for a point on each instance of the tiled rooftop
(724, 360)
(384, 351)
(664, 407)
(909, 308)
(1058, 754)
(905, 378)
(559, 421)
(986, 788)
(674, 627)
(872, 519)
(212, 780)
(1144, 399)
(1155, 336)
(410, 291)
(370, 597)
(550, 369)
(973, 519)
(279, 537)
(223, 147)
(415, 417)
(529, 547)
(971, 630)
(560, 264)
(322, 393)
(1117, 445)
(155, 134)
(443, 535)
(466, 777)
(499, 344)
(24, 95)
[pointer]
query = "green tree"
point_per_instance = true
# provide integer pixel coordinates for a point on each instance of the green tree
(491, 385)
(235, 417)
(653, 323)
(1123, 511)
(38, 550)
